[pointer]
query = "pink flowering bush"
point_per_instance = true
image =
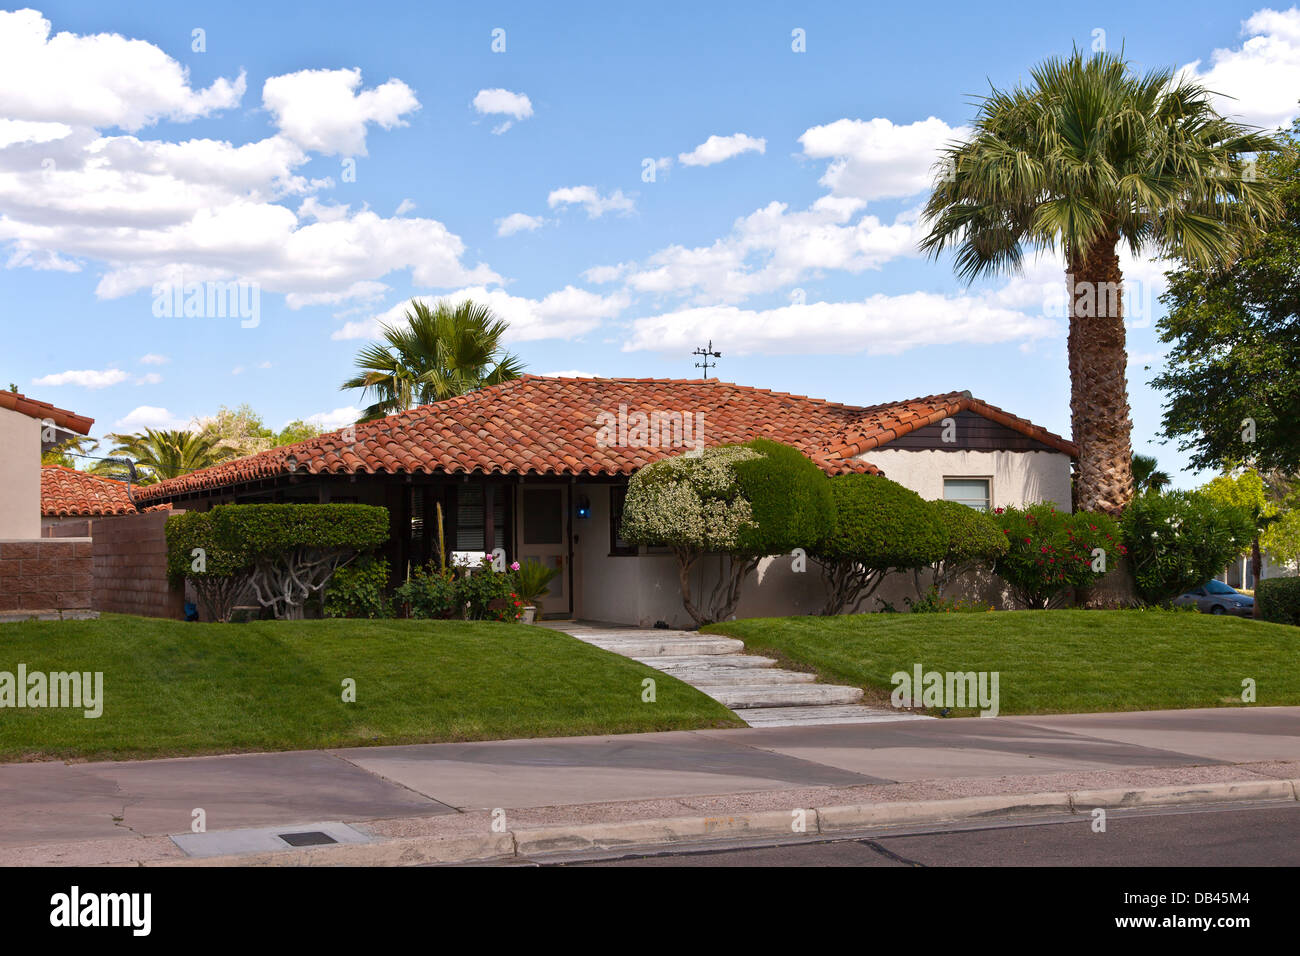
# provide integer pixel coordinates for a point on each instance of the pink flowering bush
(1050, 551)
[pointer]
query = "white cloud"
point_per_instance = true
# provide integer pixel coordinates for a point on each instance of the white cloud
(1257, 82)
(322, 110)
(148, 211)
(773, 247)
(716, 149)
(26, 131)
(365, 291)
(876, 159)
(518, 222)
(153, 358)
(149, 416)
(591, 200)
(329, 421)
(499, 102)
(879, 325)
(86, 378)
(101, 80)
(599, 275)
(565, 313)
(404, 207)
(149, 378)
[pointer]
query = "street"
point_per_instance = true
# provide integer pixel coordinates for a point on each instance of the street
(1236, 835)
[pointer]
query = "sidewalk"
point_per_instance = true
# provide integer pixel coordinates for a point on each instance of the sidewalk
(124, 812)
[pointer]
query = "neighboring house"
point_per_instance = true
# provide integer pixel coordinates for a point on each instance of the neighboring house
(538, 467)
(28, 428)
(70, 497)
(1239, 574)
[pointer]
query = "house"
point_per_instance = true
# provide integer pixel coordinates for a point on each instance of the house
(538, 467)
(28, 429)
(38, 577)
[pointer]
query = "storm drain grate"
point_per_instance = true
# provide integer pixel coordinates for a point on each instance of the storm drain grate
(307, 838)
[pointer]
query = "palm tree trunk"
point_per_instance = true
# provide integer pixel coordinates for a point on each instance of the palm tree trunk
(1099, 409)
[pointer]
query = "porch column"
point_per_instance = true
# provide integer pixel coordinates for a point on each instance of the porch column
(489, 502)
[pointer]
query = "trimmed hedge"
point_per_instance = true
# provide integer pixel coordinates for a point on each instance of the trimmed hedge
(1278, 600)
(880, 524)
(284, 553)
(974, 540)
(879, 527)
(789, 498)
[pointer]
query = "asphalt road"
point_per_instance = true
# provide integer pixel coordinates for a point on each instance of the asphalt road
(1240, 835)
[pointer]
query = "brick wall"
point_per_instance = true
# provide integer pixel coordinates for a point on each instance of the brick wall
(46, 574)
(130, 567)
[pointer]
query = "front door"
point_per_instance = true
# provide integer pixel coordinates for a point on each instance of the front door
(543, 536)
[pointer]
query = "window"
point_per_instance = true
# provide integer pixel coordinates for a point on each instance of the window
(973, 492)
(617, 496)
(470, 518)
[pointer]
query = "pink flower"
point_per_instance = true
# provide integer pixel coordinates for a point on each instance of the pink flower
(515, 566)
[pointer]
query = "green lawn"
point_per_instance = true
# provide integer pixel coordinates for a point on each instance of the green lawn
(173, 688)
(1049, 661)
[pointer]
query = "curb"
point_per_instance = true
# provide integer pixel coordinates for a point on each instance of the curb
(676, 831)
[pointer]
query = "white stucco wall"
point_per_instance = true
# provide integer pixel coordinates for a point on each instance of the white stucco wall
(643, 589)
(1019, 477)
(20, 475)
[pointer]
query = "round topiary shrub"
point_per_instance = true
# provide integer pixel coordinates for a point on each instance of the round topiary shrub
(974, 541)
(879, 526)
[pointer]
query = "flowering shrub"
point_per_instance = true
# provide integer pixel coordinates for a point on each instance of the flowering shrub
(1050, 551)
(478, 595)
(1178, 540)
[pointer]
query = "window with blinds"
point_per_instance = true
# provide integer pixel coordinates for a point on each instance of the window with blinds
(470, 524)
(973, 492)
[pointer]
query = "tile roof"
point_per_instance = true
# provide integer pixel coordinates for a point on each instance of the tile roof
(544, 425)
(884, 423)
(43, 410)
(65, 491)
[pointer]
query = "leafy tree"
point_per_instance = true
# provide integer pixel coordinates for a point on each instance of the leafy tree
(1147, 475)
(879, 527)
(438, 352)
(163, 453)
(1087, 157)
(1178, 540)
(1232, 392)
(65, 452)
(241, 431)
(1272, 510)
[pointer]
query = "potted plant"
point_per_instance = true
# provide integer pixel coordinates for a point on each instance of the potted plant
(532, 584)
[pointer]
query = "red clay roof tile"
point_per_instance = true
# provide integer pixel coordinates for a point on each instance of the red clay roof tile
(545, 425)
(65, 491)
(42, 410)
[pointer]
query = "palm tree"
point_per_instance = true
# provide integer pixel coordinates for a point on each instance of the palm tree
(438, 353)
(164, 453)
(1147, 475)
(1088, 156)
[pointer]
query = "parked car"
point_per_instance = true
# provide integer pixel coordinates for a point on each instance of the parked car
(1215, 597)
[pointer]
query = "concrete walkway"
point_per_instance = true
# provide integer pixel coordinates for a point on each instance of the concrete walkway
(760, 693)
(128, 810)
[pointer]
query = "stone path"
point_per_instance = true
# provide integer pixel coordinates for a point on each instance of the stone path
(760, 693)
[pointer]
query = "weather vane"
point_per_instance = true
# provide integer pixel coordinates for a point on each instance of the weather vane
(707, 353)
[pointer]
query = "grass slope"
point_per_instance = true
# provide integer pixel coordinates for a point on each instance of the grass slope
(1050, 662)
(173, 688)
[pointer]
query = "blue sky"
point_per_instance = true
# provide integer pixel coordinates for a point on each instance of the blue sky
(780, 221)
